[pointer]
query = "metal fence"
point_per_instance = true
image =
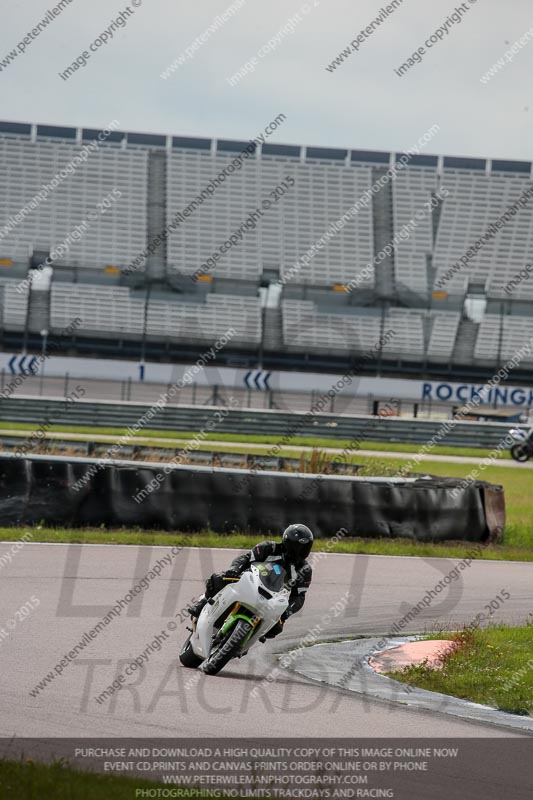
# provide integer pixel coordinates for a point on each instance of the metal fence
(282, 424)
(141, 392)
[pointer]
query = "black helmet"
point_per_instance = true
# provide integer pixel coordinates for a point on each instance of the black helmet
(298, 541)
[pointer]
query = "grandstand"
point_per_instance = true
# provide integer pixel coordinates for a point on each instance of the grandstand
(120, 234)
(168, 300)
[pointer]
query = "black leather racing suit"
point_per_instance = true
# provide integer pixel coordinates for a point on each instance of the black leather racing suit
(300, 573)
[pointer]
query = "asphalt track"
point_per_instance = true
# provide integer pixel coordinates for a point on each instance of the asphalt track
(164, 700)
(499, 462)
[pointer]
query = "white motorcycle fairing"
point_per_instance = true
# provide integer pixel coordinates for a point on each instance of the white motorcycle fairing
(519, 435)
(245, 598)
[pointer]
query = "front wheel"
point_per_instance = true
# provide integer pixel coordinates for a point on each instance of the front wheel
(520, 452)
(188, 657)
(230, 648)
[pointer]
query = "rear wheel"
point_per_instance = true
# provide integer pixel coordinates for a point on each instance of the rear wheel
(229, 648)
(520, 452)
(188, 657)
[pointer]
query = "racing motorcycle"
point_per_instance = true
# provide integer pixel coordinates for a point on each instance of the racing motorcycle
(522, 449)
(237, 618)
(522, 452)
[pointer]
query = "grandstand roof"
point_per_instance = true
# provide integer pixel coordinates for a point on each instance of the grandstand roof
(38, 131)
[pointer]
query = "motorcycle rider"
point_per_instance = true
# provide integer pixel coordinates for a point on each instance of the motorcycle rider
(291, 553)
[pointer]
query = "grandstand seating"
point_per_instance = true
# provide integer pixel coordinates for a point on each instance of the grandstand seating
(115, 237)
(412, 188)
(322, 193)
(475, 202)
(408, 333)
(105, 312)
(199, 322)
(443, 335)
(306, 326)
(514, 333)
(214, 220)
(14, 304)
(161, 176)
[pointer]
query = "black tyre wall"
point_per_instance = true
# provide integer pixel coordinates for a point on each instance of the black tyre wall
(53, 490)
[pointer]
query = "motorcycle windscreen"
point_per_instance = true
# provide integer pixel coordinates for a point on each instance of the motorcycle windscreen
(273, 576)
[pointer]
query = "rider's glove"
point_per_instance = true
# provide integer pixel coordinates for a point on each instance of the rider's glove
(231, 575)
(213, 584)
(217, 581)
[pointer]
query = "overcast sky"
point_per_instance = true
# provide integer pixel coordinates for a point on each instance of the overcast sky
(363, 104)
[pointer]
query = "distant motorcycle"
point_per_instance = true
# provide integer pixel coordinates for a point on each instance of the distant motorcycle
(522, 449)
(239, 615)
(519, 435)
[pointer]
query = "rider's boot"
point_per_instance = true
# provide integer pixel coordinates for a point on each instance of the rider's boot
(195, 609)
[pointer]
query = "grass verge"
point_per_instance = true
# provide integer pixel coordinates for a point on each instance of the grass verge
(297, 441)
(517, 543)
(518, 496)
(29, 780)
(493, 666)
(354, 545)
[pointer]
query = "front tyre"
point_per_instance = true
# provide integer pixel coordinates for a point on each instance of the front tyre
(520, 452)
(188, 657)
(230, 648)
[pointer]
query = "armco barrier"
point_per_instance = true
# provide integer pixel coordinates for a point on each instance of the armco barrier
(248, 421)
(93, 492)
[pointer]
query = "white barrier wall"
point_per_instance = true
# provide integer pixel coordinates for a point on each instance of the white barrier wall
(262, 380)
